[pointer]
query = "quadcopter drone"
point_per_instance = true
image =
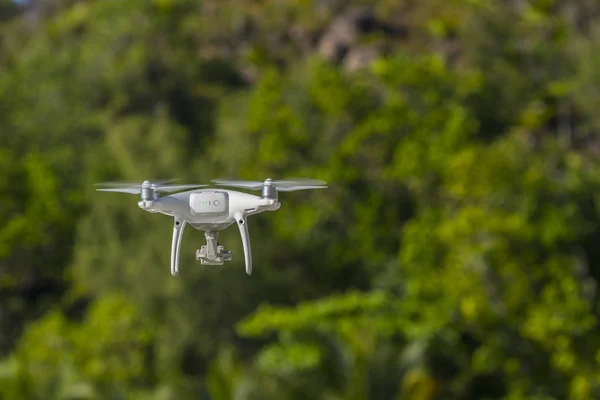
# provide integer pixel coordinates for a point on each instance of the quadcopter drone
(210, 210)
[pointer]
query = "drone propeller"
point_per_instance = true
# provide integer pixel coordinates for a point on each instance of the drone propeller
(137, 188)
(134, 183)
(283, 185)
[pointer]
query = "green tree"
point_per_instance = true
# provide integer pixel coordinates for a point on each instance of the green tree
(454, 255)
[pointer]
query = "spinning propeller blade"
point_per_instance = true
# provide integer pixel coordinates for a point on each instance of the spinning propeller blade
(175, 188)
(294, 188)
(121, 190)
(135, 183)
(283, 185)
(252, 185)
(136, 187)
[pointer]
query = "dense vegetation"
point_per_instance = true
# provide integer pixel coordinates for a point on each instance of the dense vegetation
(455, 255)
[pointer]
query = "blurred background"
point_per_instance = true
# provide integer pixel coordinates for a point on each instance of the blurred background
(455, 254)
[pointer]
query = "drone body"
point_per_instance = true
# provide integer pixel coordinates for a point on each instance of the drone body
(211, 210)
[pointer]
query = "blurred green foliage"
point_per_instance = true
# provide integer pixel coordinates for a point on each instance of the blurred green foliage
(455, 254)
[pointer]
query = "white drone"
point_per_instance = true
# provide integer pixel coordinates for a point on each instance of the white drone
(210, 210)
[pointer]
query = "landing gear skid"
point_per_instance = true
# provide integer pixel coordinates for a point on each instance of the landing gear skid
(212, 253)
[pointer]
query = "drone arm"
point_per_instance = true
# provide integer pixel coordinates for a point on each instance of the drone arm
(240, 219)
(176, 244)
